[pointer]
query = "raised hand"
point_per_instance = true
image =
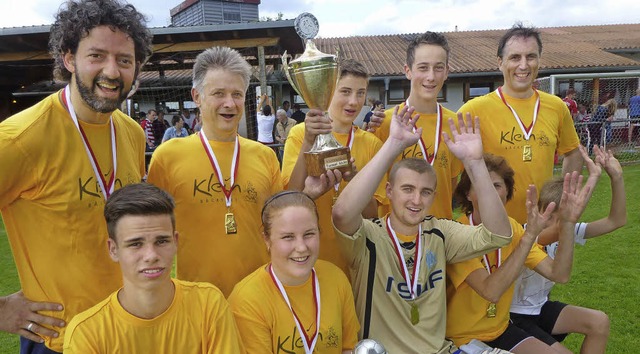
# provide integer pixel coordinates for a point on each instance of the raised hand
(608, 161)
(574, 197)
(402, 127)
(20, 316)
(315, 123)
(467, 143)
(536, 221)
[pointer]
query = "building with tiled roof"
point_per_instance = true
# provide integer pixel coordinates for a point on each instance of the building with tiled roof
(473, 58)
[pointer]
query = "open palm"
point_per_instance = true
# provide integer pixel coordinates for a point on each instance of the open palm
(465, 144)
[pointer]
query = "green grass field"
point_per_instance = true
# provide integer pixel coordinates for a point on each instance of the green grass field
(606, 272)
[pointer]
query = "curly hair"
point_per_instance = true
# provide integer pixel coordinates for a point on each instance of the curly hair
(77, 18)
(494, 163)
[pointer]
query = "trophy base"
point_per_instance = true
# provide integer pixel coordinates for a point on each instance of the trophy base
(318, 163)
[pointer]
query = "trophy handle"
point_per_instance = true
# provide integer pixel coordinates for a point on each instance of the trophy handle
(285, 68)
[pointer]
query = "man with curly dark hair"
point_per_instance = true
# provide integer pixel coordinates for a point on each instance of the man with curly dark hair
(61, 159)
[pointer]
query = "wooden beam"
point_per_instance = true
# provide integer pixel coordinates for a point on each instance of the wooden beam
(232, 43)
(22, 56)
(161, 48)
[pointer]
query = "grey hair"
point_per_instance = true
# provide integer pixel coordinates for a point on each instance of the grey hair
(223, 58)
(281, 112)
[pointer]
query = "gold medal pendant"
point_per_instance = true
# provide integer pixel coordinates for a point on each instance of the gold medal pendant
(491, 310)
(526, 153)
(230, 223)
(415, 314)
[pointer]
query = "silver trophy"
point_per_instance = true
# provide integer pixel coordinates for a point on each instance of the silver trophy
(369, 346)
(314, 76)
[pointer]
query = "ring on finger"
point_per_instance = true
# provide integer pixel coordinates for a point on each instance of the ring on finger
(30, 327)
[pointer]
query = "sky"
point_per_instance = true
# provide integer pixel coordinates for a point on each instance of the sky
(341, 18)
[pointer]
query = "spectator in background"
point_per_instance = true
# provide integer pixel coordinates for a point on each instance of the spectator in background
(177, 130)
(283, 126)
(297, 114)
(188, 119)
(601, 120)
(376, 106)
(165, 122)
(265, 120)
(146, 121)
(634, 113)
(582, 124)
(287, 108)
(158, 128)
(569, 100)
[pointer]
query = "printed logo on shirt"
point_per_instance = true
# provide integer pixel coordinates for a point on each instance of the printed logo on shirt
(415, 151)
(430, 259)
(209, 190)
(89, 189)
(292, 343)
(514, 136)
(402, 288)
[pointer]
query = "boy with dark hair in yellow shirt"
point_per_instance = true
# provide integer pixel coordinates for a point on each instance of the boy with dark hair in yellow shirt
(151, 312)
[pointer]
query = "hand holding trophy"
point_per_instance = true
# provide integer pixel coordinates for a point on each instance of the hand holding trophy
(314, 76)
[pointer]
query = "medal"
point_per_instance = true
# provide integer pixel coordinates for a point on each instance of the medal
(436, 140)
(105, 187)
(230, 225)
(526, 153)
(412, 282)
(491, 310)
(415, 314)
(336, 187)
(309, 343)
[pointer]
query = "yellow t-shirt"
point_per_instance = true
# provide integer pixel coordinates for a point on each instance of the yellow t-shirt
(446, 165)
(267, 326)
(365, 146)
(197, 321)
(205, 251)
(52, 206)
(502, 136)
(466, 310)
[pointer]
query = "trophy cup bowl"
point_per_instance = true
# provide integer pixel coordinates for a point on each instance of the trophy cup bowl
(314, 76)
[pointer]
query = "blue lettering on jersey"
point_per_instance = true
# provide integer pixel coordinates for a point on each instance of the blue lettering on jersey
(403, 288)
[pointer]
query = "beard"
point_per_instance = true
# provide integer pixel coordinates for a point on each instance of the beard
(97, 103)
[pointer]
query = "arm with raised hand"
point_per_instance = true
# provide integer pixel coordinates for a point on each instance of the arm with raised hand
(358, 193)
(573, 201)
(618, 211)
(492, 286)
(466, 145)
(594, 168)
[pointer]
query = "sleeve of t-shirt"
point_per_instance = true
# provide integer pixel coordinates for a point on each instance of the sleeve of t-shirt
(18, 174)
(535, 256)
(464, 242)
(224, 334)
(292, 148)
(77, 340)
(458, 272)
(350, 324)
(157, 172)
(354, 246)
(253, 328)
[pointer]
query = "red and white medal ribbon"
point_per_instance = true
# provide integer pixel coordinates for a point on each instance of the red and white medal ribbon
(216, 167)
(411, 281)
(436, 140)
(526, 131)
(350, 145)
(487, 265)
(105, 187)
(308, 342)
